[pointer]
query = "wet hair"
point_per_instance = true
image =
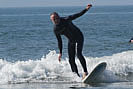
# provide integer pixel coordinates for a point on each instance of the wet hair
(54, 13)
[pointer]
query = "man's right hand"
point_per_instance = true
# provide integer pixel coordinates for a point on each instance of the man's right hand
(59, 58)
(88, 6)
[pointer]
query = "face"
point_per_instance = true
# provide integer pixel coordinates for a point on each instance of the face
(55, 18)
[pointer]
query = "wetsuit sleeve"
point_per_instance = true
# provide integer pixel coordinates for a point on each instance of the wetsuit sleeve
(74, 16)
(59, 41)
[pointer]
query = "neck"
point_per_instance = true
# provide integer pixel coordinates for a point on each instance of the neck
(56, 22)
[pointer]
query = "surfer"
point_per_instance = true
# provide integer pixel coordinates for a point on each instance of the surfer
(131, 40)
(64, 26)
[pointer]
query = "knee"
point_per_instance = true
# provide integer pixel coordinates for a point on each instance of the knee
(79, 55)
(71, 61)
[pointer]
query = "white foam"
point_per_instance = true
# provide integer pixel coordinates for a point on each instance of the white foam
(48, 69)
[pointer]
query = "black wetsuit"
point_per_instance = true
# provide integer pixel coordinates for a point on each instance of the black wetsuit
(74, 35)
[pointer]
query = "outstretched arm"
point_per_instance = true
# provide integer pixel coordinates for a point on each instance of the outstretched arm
(74, 16)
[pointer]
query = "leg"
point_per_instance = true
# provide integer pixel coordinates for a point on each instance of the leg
(71, 53)
(80, 56)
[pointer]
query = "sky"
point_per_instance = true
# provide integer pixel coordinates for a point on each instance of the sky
(43, 3)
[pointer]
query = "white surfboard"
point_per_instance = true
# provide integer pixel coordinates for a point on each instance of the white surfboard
(91, 77)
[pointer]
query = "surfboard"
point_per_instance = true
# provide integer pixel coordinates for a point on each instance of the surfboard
(92, 76)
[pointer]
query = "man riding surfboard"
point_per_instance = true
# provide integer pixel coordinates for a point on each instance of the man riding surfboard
(64, 26)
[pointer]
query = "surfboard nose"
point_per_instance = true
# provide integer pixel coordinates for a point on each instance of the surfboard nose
(92, 76)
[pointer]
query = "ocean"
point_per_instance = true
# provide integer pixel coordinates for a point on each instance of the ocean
(29, 51)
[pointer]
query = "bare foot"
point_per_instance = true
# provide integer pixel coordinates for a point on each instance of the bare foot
(84, 75)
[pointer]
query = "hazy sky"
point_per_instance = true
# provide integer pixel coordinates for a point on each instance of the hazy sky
(34, 3)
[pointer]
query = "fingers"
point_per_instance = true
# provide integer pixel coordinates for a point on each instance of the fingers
(59, 57)
(88, 6)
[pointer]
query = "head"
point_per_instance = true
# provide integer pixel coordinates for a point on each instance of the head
(55, 18)
(131, 40)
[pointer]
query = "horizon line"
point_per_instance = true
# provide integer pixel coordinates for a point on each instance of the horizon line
(59, 6)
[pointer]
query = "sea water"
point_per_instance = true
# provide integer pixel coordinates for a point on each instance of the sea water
(29, 51)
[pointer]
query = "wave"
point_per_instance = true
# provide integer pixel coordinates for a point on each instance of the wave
(48, 69)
